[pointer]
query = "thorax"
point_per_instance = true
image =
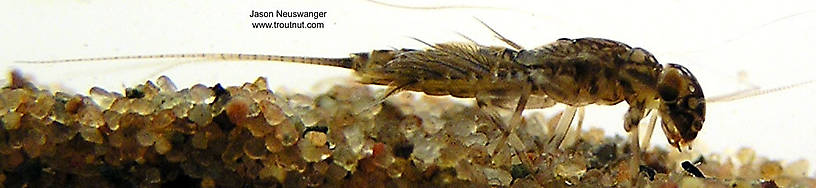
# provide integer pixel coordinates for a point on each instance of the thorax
(591, 71)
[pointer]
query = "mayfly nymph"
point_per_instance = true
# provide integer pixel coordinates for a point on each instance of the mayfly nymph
(575, 72)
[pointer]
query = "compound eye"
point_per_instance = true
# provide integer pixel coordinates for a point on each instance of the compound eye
(672, 84)
(668, 94)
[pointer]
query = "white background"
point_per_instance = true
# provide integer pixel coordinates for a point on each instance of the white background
(769, 42)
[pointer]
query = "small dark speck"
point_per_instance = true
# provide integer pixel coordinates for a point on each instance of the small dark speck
(322, 129)
(403, 150)
(691, 169)
(219, 90)
(132, 93)
(648, 171)
(221, 94)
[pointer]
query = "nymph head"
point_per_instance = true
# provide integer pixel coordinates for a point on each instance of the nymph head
(682, 106)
